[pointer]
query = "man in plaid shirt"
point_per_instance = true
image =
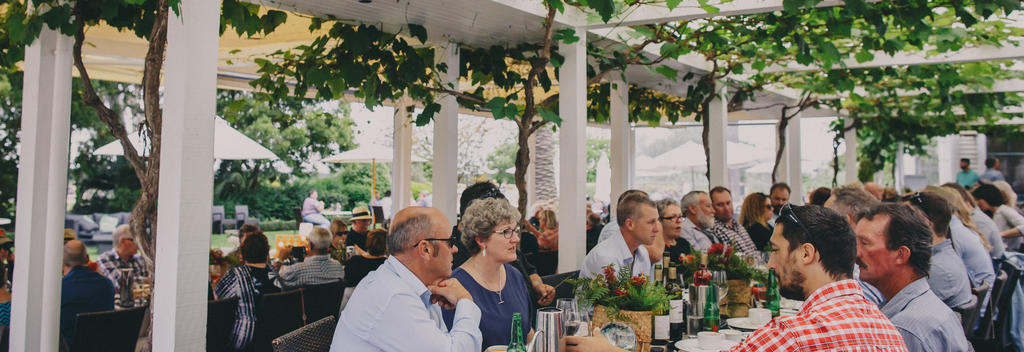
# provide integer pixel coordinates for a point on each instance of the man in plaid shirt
(814, 252)
(317, 268)
(125, 253)
(727, 229)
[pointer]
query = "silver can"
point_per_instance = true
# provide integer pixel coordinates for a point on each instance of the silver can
(550, 330)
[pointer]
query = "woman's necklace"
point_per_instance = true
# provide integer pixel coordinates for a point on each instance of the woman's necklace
(501, 273)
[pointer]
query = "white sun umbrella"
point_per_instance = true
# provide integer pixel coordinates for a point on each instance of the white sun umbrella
(367, 154)
(228, 144)
(603, 189)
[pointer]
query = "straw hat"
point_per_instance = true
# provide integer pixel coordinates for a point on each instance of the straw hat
(360, 213)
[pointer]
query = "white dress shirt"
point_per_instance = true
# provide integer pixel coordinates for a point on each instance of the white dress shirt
(614, 251)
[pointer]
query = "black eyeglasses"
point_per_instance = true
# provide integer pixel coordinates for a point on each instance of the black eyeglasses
(451, 240)
(672, 218)
(786, 213)
(507, 233)
(916, 198)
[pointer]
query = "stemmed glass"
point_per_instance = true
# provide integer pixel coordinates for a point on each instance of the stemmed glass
(721, 283)
(575, 320)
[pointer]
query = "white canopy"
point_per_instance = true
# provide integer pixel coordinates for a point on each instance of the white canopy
(691, 155)
(228, 144)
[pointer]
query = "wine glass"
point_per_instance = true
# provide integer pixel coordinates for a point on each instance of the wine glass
(721, 283)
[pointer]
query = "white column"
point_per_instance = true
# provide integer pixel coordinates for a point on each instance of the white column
(531, 175)
(621, 157)
(948, 161)
(446, 139)
(572, 142)
(718, 118)
(793, 156)
(401, 167)
(42, 193)
(186, 178)
(898, 167)
(851, 151)
(631, 158)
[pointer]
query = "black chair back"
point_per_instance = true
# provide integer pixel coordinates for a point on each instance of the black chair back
(563, 289)
(243, 217)
(545, 261)
(298, 216)
(218, 219)
(315, 337)
(1004, 306)
(115, 330)
(969, 318)
(321, 301)
(276, 315)
(220, 319)
(965, 311)
(985, 326)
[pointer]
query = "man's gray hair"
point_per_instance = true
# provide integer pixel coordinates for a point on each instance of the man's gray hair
(664, 203)
(120, 232)
(405, 234)
(852, 200)
(482, 217)
(75, 256)
(690, 199)
(319, 239)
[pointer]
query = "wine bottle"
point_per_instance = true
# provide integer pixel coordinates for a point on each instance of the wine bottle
(675, 293)
(658, 275)
(665, 264)
(711, 311)
(702, 277)
(661, 327)
(774, 299)
(516, 343)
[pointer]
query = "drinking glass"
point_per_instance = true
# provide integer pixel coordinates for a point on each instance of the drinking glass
(721, 282)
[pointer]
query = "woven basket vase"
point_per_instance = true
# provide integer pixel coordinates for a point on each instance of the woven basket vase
(640, 322)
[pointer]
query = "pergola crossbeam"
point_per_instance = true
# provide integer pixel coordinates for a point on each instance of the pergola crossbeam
(975, 54)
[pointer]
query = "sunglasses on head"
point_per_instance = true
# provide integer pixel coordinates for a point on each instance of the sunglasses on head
(786, 213)
(916, 198)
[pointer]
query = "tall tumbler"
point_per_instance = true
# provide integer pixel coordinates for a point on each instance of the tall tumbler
(125, 282)
(549, 330)
(695, 315)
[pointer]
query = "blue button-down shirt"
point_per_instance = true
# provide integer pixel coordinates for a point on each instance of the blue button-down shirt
(991, 232)
(948, 276)
(972, 252)
(614, 251)
(991, 175)
(697, 238)
(926, 324)
(390, 310)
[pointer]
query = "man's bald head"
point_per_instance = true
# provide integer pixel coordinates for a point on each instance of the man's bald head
(75, 254)
(412, 224)
(875, 189)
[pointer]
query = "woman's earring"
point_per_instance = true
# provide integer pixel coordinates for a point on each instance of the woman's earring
(485, 251)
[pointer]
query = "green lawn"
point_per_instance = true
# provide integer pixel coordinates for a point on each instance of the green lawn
(216, 241)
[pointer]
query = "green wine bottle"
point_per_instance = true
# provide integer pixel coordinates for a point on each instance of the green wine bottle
(711, 311)
(516, 343)
(774, 299)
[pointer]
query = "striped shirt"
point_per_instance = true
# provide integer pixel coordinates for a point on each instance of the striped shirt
(836, 317)
(315, 270)
(248, 284)
(109, 263)
(735, 235)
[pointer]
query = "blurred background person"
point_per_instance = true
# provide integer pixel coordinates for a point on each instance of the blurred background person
(754, 216)
(249, 282)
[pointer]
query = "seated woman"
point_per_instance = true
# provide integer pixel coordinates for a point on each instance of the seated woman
(490, 234)
(312, 209)
(547, 236)
(338, 231)
(754, 216)
(360, 265)
(248, 282)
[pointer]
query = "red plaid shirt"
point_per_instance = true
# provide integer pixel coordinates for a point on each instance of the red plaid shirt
(835, 318)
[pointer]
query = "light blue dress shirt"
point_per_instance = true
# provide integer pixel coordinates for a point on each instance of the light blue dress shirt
(695, 236)
(991, 232)
(948, 276)
(927, 325)
(1006, 218)
(611, 229)
(614, 251)
(390, 310)
(972, 252)
(991, 175)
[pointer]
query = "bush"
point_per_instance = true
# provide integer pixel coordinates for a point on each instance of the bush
(278, 225)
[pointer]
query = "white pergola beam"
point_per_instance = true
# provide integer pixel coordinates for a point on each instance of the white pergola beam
(572, 142)
(850, 159)
(1002, 86)
(981, 53)
(718, 123)
(401, 167)
(794, 158)
(659, 13)
(620, 138)
(446, 139)
(42, 193)
(186, 178)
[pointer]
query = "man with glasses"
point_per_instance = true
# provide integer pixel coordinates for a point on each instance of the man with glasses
(398, 306)
(727, 229)
(894, 251)
(124, 254)
(637, 217)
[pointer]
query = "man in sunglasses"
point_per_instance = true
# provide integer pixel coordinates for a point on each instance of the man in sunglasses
(894, 251)
(398, 306)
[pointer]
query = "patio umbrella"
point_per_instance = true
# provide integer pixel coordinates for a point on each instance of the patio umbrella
(367, 154)
(228, 144)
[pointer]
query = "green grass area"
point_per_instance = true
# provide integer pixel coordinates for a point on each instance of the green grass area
(216, 241)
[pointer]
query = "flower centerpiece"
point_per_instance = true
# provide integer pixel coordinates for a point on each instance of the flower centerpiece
(739, 272)
(623, 298)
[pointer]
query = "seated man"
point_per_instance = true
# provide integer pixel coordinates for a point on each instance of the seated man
(611, 229)
(360, 227)
(124, 254)
(947, 275)
(82, 290)
(698, 218)
(726, 228)
(637, 217)
(894, 253)
(814, 252)
(311, 209)
(317, 268)
(396, 307)
(850, 201)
